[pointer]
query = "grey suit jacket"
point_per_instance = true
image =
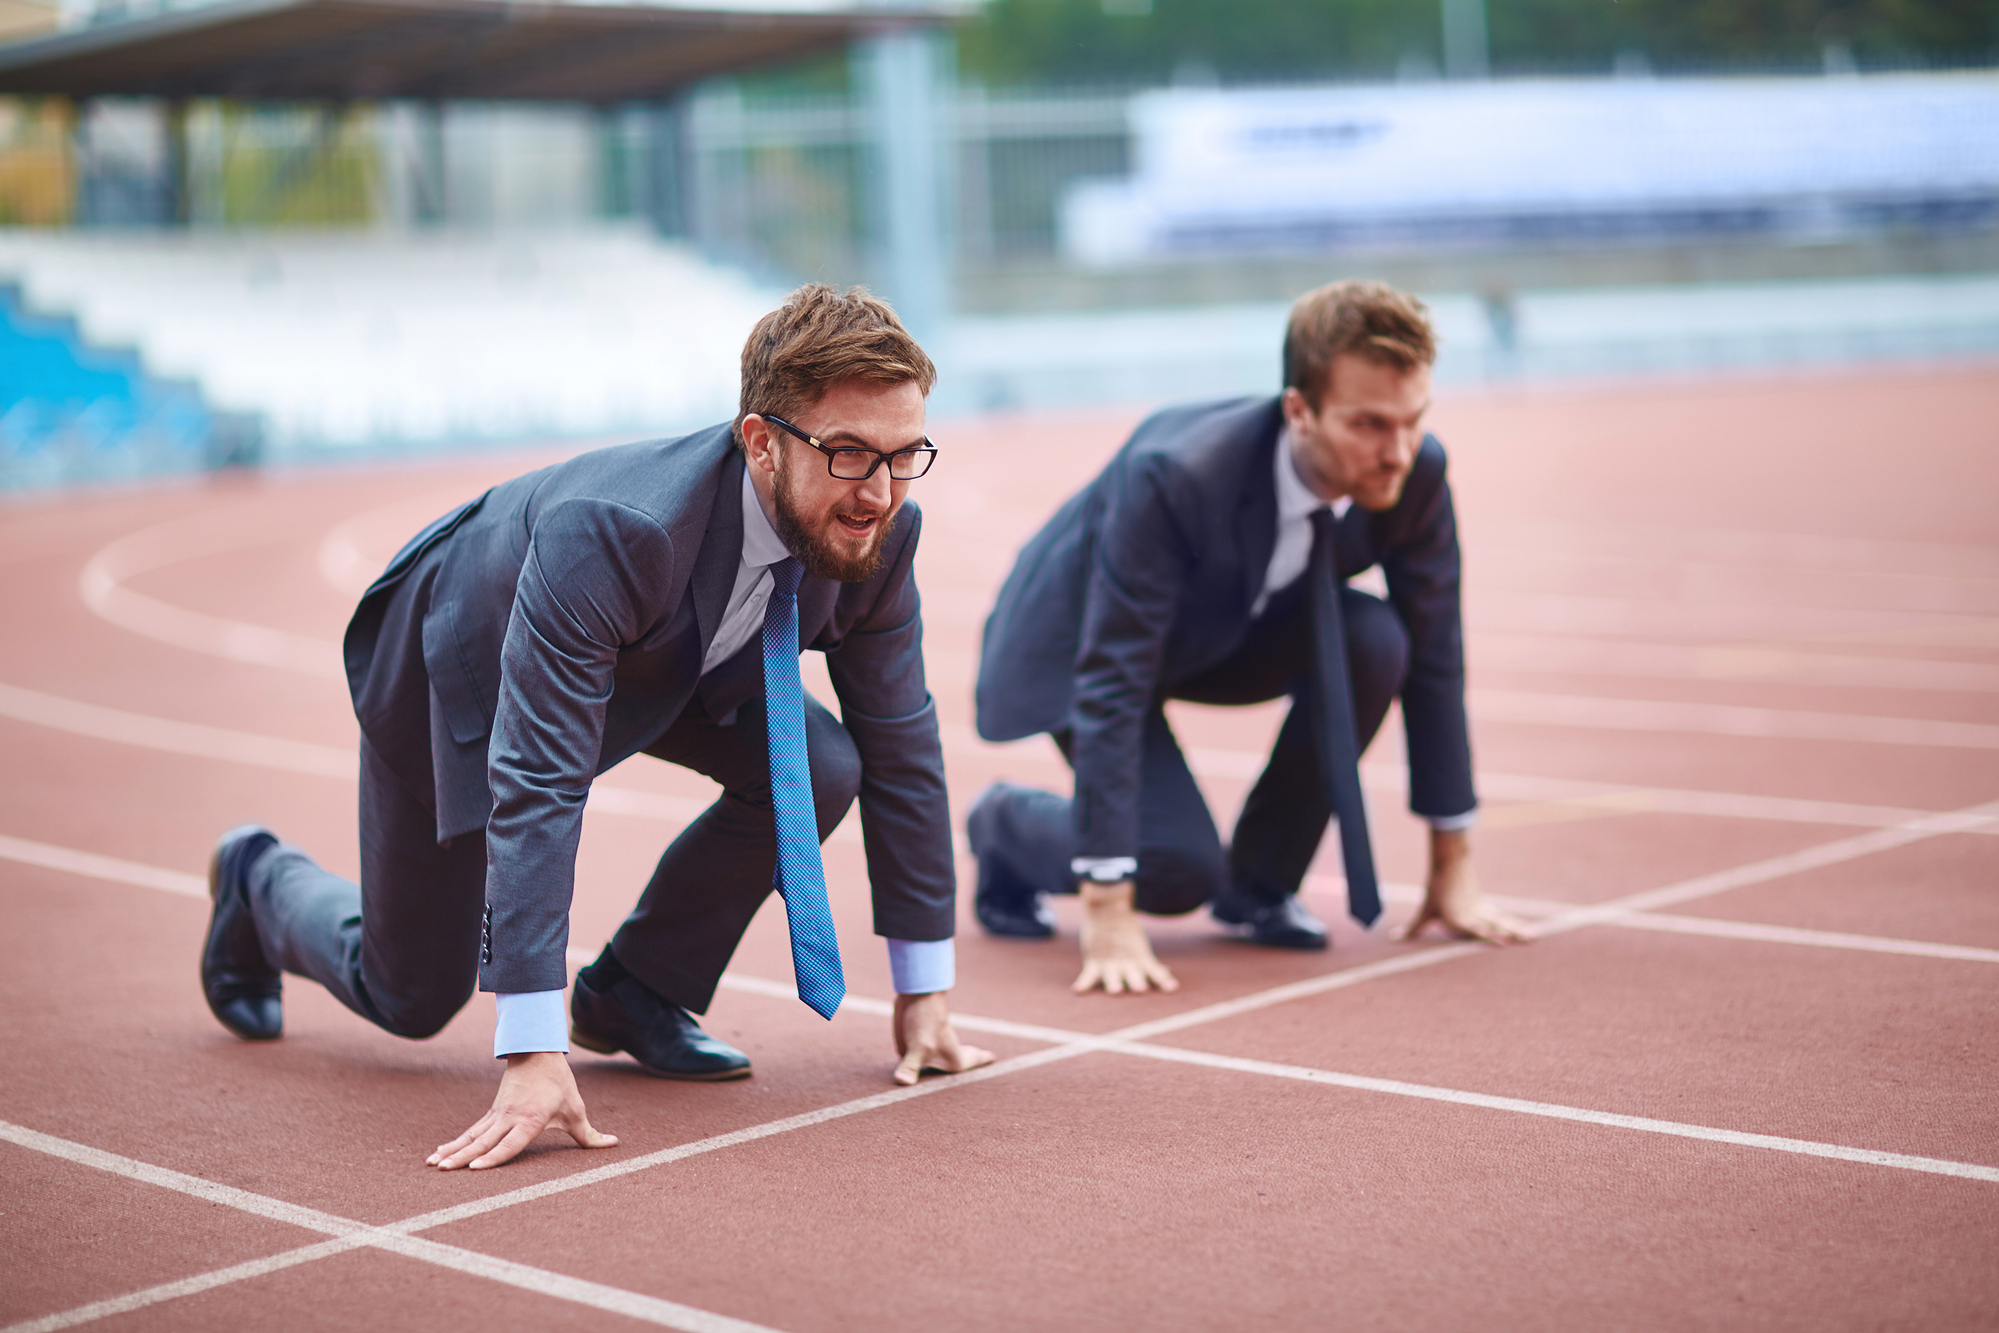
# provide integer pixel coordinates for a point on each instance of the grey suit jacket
(556, 625)
(1146, 577)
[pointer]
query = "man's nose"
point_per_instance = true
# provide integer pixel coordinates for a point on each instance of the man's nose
(874, 492)
(1402, 453)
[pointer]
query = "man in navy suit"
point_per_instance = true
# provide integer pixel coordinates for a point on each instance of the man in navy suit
(635, 599)
(1209, 562)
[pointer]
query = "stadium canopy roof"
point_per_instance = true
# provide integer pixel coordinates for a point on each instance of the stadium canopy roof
(429, 49)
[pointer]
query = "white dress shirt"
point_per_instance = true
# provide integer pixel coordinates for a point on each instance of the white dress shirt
(533, 1020)
(1296, 504)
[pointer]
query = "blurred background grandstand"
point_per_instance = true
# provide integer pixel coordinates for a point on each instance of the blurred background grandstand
(271, 230)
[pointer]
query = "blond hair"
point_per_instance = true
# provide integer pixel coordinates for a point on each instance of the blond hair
(1354, 317)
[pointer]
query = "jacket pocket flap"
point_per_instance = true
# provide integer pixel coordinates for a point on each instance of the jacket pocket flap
(451, 680)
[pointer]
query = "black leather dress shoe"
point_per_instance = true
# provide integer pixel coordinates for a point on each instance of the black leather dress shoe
(1284, 923)
(663, 1038)
(241, 985)
(1002, 903)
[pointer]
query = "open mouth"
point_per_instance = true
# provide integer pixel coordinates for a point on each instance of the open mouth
(857, 526)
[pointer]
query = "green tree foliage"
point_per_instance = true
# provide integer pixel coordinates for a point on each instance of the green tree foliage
(1124, 41)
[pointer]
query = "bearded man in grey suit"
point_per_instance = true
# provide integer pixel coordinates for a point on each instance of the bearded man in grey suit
(1209, 562)
(649, 598)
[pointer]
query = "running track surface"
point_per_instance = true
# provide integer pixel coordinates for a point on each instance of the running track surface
(1735, 663)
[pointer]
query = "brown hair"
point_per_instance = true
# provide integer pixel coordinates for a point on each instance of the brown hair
(818, 337)
(1354, 318)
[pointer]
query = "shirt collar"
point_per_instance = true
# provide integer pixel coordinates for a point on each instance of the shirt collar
(1295, 500)
(761, 545)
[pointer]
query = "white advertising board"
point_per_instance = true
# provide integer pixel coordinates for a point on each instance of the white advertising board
(1553, 161)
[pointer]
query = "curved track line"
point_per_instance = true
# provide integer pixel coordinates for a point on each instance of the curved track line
(102, 587)
(344, 560)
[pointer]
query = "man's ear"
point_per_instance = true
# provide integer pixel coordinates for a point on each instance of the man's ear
(1296, 409)
(758, 441)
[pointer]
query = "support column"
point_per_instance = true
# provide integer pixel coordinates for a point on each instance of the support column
(179, 209)
(667, 174)
(902, 77)
(615, 196)
(1466, 54)
(431, 195)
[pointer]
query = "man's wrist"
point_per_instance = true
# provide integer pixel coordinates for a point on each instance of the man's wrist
(1113, 897)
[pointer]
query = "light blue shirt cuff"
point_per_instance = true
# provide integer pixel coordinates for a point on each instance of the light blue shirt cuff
(921, 966)
(529, 1021)
(1453, 823)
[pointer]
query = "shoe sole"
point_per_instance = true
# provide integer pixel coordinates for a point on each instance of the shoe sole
(215, 892)
(603, 1046)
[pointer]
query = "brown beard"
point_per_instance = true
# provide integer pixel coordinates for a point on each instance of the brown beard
(820, 558)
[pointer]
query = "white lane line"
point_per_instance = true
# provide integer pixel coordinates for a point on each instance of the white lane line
(1822, 939)
(191, 1286)
(1717, 927)
(700, 1147)
(1701, 886)
(275, 1210)
(90, 864)
(200, 740)
(1571, 710)
(1775, 662)
(1381, 776)
(349, 1235)
(188, 738)
(576, 1290)
(1395, 1087)
(1131, 1038)
(1776, 867)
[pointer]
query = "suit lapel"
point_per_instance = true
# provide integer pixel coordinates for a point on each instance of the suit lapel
(816, 599)
(721, 552)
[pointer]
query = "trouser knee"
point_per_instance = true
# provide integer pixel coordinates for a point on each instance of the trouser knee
(418, 1020)
(1377, 658)
(836, 775)
(1170, 883)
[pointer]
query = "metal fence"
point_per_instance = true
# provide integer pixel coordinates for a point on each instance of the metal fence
(780, 185)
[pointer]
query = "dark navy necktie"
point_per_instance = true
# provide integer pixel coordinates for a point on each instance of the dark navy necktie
(1339, 757)
(800, 877)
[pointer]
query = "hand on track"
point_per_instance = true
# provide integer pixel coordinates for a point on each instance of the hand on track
(925, 1039)
(1116, 953)
(538, 1090)
(1452, 899)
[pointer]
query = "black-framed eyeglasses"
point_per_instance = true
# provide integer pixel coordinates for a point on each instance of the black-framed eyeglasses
(851, 462)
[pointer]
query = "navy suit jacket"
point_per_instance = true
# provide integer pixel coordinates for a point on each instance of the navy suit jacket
(556, 625)
(1146, 577)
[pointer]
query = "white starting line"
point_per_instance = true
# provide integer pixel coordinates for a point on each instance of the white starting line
(400, 1237)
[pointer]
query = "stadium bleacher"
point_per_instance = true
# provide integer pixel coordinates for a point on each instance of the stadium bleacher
(71, 409)
(339, 342)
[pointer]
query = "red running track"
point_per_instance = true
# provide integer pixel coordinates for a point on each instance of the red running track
(1735, 654)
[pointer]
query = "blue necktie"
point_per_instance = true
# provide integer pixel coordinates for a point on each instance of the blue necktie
(800, 878)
